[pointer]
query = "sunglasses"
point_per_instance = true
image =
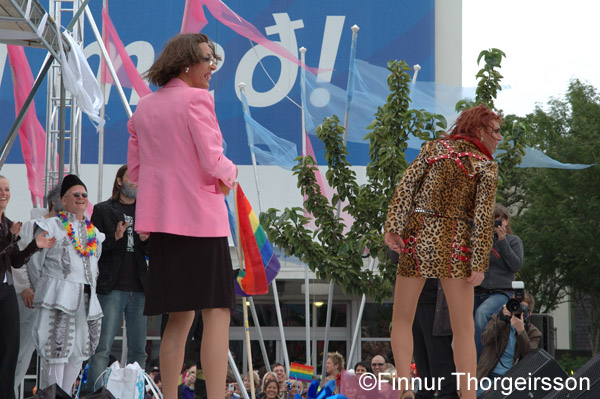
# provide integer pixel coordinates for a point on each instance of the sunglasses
(377, 364)
(77, 195)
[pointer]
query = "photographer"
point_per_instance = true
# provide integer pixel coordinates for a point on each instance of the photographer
(506, 259)
(507, 338)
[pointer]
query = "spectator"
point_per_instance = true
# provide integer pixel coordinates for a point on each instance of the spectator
(279, 370)
(378, 364)
(295, 387)
(389, 373)
(231, 387)
(153, 371)
(158, 383)
(68, 314)
(507, 338)
(188, 378)
(333, 368)
(506, 260)
(269, 376)
(361, 368)
(9, 308)
(122, 277)
(271, 389)
(25, 279)
(246, 380)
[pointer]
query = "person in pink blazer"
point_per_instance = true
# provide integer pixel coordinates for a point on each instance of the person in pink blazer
(175, 155)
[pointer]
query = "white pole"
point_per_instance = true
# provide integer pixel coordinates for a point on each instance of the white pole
(417, 68)
(303, 88)
(261, 340)
(355, 29)
(242, 85)
(101, 137)
(101, 148)
(244, 303)
(359, 319)
(109, 64)
(306, 279)
(236, 374)
(327, 323)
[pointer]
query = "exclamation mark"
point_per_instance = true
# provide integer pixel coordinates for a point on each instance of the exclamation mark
(331, 41)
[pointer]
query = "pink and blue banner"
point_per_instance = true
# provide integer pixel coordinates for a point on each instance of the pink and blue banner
(403, 29)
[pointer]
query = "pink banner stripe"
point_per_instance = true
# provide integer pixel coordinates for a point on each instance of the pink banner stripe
(31, 134)
(121, 60)
(194, 21)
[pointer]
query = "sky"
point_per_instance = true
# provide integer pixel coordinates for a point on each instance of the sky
(547, 43)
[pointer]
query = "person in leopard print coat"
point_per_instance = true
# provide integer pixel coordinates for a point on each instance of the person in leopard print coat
(440, 221)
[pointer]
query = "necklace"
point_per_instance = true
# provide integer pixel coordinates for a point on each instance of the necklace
(92, 243)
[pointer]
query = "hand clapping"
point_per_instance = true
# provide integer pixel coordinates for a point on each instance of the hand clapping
(15, 229)
(42, 241)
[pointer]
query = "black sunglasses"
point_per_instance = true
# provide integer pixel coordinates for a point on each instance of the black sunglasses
(77, 195)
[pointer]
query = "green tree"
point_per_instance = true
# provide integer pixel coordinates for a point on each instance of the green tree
(562, 209)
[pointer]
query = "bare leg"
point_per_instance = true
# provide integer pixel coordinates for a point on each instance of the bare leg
(460, 298)
(215, 345)
(172, 350)
(406, 297)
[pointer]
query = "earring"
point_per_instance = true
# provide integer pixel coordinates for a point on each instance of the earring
(187, 69)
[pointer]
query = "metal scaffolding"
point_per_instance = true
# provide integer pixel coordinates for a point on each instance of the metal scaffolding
(26, 23)
(62, 112)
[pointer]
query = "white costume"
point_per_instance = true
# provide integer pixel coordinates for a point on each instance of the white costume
(68, 314)
(26, 278)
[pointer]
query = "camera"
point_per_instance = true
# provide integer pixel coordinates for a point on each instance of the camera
(514, 305)
(231, 387)
(497, 223)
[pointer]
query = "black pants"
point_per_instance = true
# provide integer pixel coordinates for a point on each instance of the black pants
(433, 356)
(9, 340)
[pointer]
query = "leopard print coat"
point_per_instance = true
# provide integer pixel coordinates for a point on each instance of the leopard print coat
(443, 209)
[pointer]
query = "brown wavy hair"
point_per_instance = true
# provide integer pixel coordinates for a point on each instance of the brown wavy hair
(181, 51)
(471, 120)
(500, 211)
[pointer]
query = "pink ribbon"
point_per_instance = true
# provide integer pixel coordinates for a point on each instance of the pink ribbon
(31, 134)
(126, 72)
(194, 21)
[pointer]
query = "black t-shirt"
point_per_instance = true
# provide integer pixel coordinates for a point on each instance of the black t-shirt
(129, 279)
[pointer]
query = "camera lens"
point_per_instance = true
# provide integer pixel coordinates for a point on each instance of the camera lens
(513, 305)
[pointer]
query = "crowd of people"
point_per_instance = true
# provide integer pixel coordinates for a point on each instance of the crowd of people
(453, 246)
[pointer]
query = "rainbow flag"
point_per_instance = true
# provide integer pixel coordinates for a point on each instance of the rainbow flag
(301, 372)
(261, 263)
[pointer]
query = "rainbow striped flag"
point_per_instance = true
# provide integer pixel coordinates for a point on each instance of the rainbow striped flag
(261, 262)
(301, 372)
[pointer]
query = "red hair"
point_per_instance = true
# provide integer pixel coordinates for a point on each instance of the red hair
(470, 121)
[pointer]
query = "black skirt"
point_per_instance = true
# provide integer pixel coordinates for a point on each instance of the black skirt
(188, 273)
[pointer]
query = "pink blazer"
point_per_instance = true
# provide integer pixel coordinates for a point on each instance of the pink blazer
(175, 155)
